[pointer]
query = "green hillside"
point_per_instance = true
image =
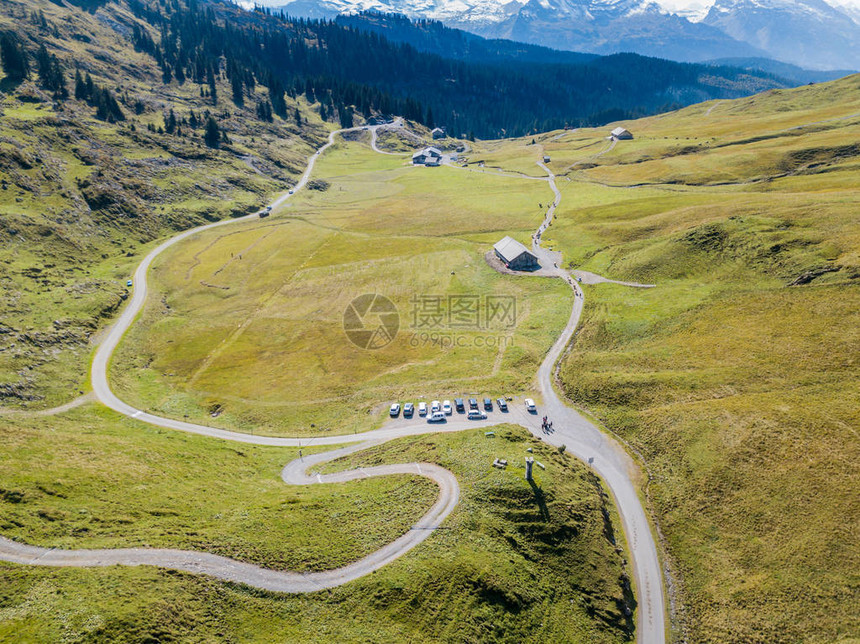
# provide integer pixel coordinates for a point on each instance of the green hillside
(81, 197)
(736, 378)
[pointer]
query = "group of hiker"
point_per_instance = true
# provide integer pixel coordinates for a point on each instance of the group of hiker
(546, 425)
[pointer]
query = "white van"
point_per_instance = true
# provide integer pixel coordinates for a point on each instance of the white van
(436, 417)
(435, 406)
(446, 408)
(530, 406)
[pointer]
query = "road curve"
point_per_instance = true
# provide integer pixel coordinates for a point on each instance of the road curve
(580, 437)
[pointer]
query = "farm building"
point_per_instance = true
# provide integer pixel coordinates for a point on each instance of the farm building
(546, 159)
(515, 255)
(438, 133)
(428, 156)
(621, 133)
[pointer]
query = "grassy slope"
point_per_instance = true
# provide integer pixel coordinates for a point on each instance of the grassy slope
(512, 562)
(94, 480)
(260, 338)
(501, 570)
(81, 199)
(736, 383)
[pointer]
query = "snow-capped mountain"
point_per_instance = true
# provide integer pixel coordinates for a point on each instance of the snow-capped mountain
(809, 33)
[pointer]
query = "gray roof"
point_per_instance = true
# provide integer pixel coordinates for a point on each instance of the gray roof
(510, 248)
(619, 130)
(428, 152)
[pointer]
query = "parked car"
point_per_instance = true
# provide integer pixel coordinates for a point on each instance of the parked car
(473, 403)
(394, 412)
(292, 191)
(435, 406)
(458, 403)
(446, 408)
(408, 410)
(422, 409)
(503, 406)
(436, 417)
(128, 283)
(477, 414)
(530, 406)
(488, 404)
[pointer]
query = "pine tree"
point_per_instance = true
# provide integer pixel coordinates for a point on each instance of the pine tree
(170, 122)
(51, 74)
(80, 87)
(210, 78)
(213, 134)
(238, 95)
(15, 62)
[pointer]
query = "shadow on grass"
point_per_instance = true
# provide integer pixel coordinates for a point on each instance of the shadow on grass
(540, 498)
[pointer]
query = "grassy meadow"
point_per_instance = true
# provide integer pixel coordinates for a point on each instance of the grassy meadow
(512, 561)
(246, 322)
(736, 377)
(81, 200)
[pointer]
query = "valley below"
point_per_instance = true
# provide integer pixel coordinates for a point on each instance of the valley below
(198, 440)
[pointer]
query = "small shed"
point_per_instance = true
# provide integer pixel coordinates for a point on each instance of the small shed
(515, 255)
(428, 156)
(621, 134)
(438, 133)
(546, 159)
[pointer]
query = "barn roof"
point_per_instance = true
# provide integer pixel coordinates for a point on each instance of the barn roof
(509, 248)
(619, 130)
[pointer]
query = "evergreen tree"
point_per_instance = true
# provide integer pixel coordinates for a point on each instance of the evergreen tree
(170, 122)
(14, 58)
(51, 74)
(238, 94)
(213, 134)
(80, 87)
(210, 78)
(345, 116)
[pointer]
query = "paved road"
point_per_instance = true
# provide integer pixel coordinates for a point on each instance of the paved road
(581, 438)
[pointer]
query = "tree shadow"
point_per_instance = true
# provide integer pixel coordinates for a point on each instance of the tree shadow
(9, 85)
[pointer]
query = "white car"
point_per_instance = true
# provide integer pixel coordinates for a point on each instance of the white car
(394, 410)
(422, 409)
(436, 417)
(530, 406)
(476, 414)
(446, 407)
(436, 406)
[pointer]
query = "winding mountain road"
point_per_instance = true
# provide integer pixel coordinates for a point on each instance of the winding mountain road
(581, 438)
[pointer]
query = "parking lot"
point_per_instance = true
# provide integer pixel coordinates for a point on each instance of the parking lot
(516, 412)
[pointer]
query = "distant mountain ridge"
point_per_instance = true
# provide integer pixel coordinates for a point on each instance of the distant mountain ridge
(809, 33)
